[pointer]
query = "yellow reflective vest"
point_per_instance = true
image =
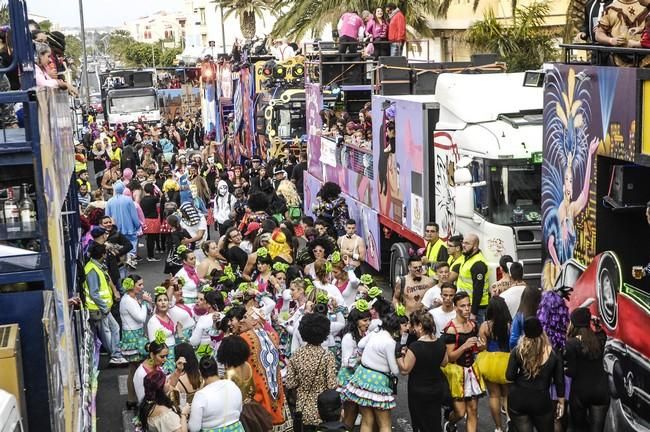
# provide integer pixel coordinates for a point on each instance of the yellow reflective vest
(105, 292)
(464, 281)
(432, 255)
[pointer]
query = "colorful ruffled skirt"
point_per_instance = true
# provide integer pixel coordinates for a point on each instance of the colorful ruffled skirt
(132, 345)
(342, 379)
(369, 388)
(170, 364)
(464, 382)
(233, 427)
(492, 366)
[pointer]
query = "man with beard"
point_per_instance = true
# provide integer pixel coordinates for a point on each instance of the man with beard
(472, 277)
(410, 289)
(436, 251)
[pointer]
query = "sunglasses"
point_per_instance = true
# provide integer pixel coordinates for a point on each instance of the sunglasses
(417, 268)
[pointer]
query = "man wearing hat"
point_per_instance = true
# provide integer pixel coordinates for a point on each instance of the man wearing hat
(56, 41)
(279, 174)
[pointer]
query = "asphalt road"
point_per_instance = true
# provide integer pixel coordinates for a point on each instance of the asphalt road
(111, 394)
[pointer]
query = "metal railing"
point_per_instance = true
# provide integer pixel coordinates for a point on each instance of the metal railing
(601, 54)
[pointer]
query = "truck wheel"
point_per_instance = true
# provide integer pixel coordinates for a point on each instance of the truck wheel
(399, 257)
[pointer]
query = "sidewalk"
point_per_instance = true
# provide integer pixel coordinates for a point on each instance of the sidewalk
(111, 399)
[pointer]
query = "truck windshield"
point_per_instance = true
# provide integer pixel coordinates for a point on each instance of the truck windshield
(130, 104)
(512, 194)
(291, 120)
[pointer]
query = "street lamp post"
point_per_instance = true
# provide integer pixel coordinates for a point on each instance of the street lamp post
(83, 45)
(223, 29)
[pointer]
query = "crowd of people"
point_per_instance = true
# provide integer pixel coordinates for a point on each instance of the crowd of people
(266, 318)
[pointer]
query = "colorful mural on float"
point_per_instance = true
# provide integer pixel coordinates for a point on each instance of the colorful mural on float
(579, 121)
(366, 217)
(590, 129)
(399, 161)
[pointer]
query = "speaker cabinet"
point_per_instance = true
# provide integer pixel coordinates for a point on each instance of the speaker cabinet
(395, 77)
(629, 185)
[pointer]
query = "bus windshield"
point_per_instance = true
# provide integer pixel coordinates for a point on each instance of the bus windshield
(130, 104)
(512, 194)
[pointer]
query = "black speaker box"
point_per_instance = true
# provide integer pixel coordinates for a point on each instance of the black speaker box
(629, 185)
(423, 81)
(352, 70)
(395, 78)
(330, 72)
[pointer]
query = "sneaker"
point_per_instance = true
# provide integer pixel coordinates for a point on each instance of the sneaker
(118, 361)
(153, 259)
(450, 427)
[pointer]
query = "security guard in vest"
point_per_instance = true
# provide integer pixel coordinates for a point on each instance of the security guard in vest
(472, 277)
(98, 293)
(456, 257)
(435, 251)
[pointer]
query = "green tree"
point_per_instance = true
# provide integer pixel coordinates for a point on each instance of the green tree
(73, 47)
(307, 16)
(118, 43)
(247, 11)
(524, 44)
(4, 12)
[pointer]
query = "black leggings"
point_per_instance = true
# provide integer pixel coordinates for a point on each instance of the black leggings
(586, 417)
(152, 241)
(425, 413)
(530, 408)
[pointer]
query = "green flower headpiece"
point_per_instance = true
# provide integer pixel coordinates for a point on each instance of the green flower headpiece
(228, 274)
(227, 309)
(366, 279)
(206, 288)
(224, 295)
(262, 252)
(280, 267)
(328, 266)
(181, 281)
(400, 310)
(362, 305)
(322, 297)
(374, 292)
(335, 257)
(244, 286)
(128, 284)
(159, 337)
(309, 286)
(181, 249)
(160, 290)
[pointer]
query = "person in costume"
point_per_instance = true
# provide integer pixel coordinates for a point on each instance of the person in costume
(158, 352)
(355, 329)
(371, 386)
(344, 278)
(492, 362)
(232, 354)
(263, 271)
(218, 405)
(157, 412)
(187, 275)
(206, 334)
(179, 311)
(265, 362)
(133, 314)
(163, 322)
(465, 381)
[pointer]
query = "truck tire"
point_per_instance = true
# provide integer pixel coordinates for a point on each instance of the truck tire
(399, 257)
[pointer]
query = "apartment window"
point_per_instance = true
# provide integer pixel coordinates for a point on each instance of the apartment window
(202, 15)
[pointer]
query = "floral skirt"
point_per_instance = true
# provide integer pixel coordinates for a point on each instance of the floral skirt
(342, 379)
(492, 366)
(170, 364)
(132, 345)
(369, 388)
(233, 427)
(464, 382)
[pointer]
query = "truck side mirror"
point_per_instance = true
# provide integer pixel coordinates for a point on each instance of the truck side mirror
(464, 201)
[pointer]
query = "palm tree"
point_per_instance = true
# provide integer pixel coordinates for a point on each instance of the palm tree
(523, 45)
(297, 18)
(247, 11)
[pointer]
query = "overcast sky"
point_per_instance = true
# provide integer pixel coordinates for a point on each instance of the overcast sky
(99, 13)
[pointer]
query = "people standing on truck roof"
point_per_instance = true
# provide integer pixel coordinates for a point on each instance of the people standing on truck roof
(377, 32)
(410, 289)
(473, 277)
(281, 50)
(435, 250)
(350, 25)
(396, 29)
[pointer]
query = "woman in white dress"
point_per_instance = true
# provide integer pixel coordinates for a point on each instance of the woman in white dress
(163, 322)
(187, 276)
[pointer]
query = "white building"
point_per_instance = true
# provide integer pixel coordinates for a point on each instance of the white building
(166, 26)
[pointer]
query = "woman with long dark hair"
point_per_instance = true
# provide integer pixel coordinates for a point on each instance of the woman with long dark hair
(422, 362)
(356, 327)
(492, 362)
(190, 381)
(530, 299)
(589, 398)
(157, 412)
